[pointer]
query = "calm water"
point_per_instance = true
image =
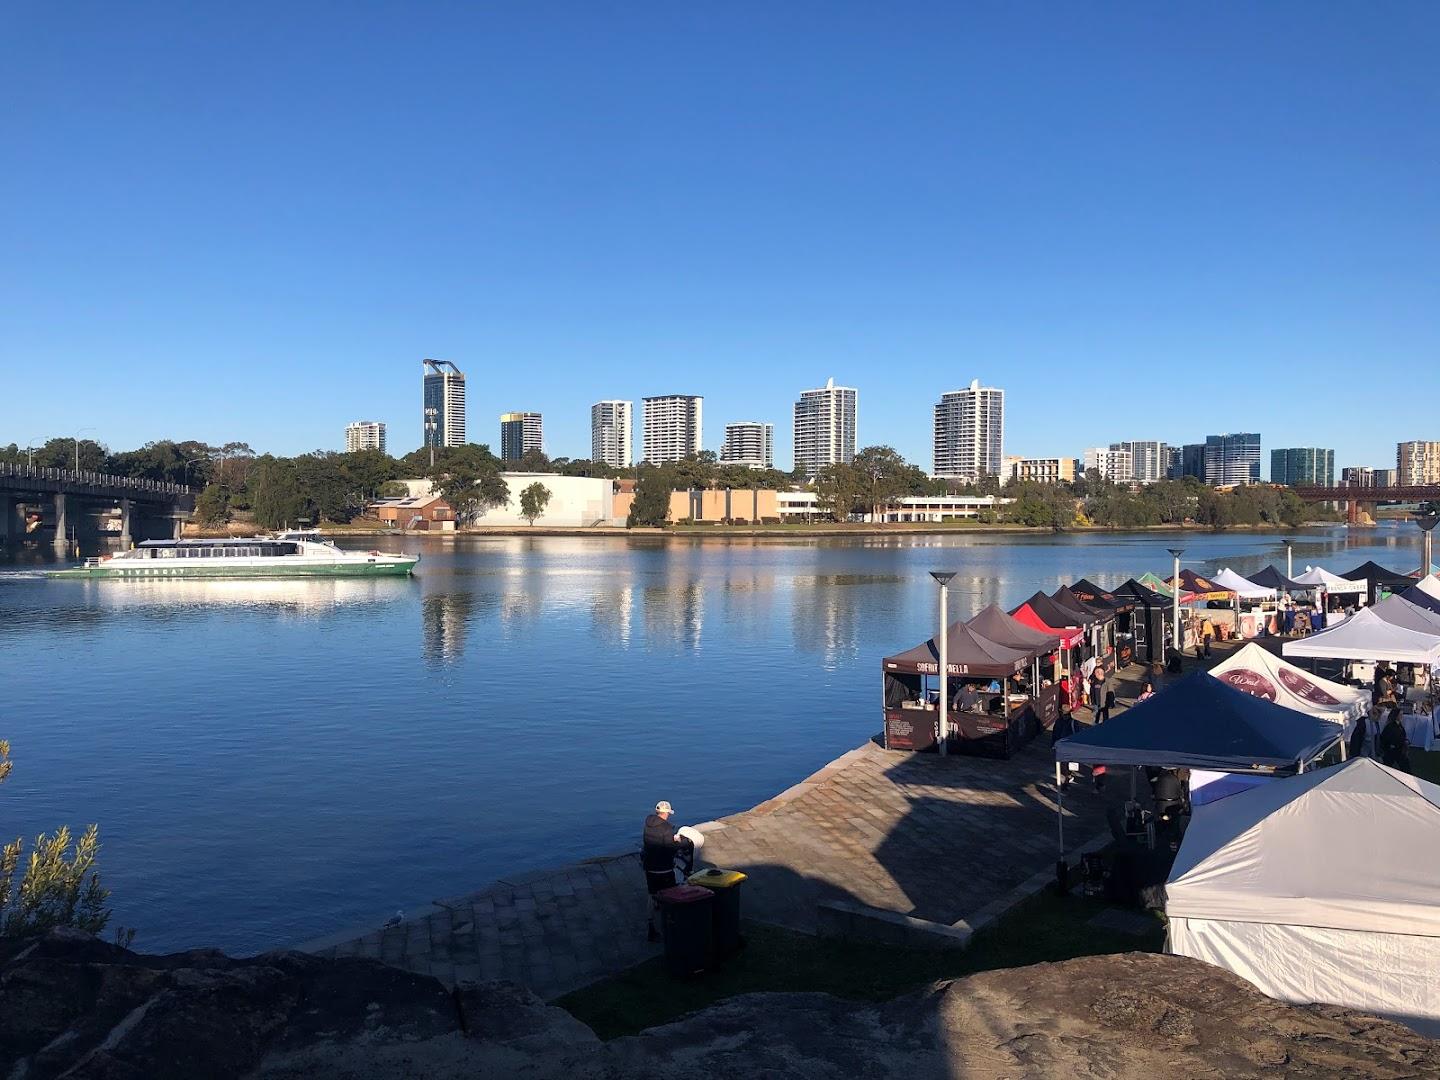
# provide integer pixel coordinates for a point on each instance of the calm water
(273, 761)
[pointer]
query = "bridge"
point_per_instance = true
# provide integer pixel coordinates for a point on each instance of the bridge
(66, 506)
(1356, 497)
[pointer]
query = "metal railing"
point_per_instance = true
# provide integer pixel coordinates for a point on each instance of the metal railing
(93, 479)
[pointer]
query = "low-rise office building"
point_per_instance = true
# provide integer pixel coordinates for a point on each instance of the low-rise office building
(422, 513)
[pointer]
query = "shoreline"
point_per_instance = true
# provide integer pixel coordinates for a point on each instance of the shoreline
(814, 531)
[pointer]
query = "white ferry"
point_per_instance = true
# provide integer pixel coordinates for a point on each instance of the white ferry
(288, 554)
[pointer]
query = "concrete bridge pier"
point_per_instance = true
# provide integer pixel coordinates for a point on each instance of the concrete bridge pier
(126, 541)
(62, 530)
(12, 522)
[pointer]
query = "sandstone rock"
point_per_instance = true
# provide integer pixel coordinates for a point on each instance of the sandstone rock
(74, 1006)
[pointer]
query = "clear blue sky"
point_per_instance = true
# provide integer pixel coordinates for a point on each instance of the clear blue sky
(252, 221)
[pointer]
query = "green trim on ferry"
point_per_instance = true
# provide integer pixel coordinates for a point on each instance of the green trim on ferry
(167, 570)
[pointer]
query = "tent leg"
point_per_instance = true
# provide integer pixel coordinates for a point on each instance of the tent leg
(1060, 805)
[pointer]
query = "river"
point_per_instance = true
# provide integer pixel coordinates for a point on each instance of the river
(273, 761)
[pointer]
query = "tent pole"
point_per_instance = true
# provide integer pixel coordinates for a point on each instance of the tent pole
(1060, 807)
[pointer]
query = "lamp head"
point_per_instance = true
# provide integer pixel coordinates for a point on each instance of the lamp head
(943, 576)
(1177, 552)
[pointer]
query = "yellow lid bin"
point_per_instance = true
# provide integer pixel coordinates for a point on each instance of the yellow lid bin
(716, 879)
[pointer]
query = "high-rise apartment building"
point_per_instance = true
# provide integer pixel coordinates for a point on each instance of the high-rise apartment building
(672, 427)
(1232, 459)
(1308, 465)
(1187, 460)
(1112, 464)
(443, 418)
(520, 432)
(611, 430)
(1039, 470)
(970, 433)
(1149, 460)
(825, 427)
(1417, 463)
(365, 435)
(1356, 476)
(750, 443)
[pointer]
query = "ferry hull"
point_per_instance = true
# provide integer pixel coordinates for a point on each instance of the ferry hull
(150, 571)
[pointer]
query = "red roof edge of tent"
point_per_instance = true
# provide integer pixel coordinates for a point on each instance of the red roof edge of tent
(1068, 635)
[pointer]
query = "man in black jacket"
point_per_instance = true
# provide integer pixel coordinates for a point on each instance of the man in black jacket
(658, 845)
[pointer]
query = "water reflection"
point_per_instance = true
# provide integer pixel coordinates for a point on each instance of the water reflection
(445, 620)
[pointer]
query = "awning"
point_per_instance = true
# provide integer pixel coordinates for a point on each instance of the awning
(1162, 586)
(1366, 636)
(995, 625)
(1144, 595)
(1376, 574)
(1052, 615)
(1203, 723)
(1095, 596)
(1065, 597)
(1199, 588)
(967, 653)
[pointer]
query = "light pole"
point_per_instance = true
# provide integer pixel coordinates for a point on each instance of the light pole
(1427, 524)
(943, 577)
(1177, 634)
(187, 467)
(1289, 559)
(430, 427)
(77, 445)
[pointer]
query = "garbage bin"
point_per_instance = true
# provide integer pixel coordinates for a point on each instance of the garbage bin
(685, 917)
(725, 909)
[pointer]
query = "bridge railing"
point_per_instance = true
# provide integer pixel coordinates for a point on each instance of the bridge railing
(94, 479)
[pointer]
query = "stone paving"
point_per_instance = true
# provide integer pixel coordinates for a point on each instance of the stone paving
(946, 843)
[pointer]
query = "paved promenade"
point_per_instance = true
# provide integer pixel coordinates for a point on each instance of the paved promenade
(943, 844)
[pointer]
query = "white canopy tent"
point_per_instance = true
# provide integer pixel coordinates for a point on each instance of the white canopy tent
(1317, 577)
(1366, 636)
(1430, 584)
(1264, 675)
(1318, 888)
(1242, 587)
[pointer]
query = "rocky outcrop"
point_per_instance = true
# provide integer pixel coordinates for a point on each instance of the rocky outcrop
(76, 1007)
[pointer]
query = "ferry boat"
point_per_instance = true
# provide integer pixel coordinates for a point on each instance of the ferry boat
(287, 554)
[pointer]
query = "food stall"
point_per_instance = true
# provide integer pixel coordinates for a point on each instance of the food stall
(1255, 604)
(1041, 613)
(1003, 684)
(1121, 608)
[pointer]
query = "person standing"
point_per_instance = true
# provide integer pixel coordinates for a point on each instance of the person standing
(1394, 746)
(1104, 713)
(658, 843)
(1097, 690)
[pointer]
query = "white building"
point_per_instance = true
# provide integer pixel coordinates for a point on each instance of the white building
(443, 416)
(611, 433)
(365, 435)
(672, 427)
(970, 433)
(1149, 460)
(805, 506)
(1417, 463)
(825, 421)
(749, 442)
(575, 501)
(1113, 465)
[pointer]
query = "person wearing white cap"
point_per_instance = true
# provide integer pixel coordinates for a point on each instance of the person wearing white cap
(658, 845)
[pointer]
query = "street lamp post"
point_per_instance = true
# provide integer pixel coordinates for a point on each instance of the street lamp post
(1177, 635)
(944, 577)
(1427, 524)
(77, 445)
(192, 461)
(430, 427)
(1289, 559)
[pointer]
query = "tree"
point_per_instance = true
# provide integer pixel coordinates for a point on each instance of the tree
(882, 475)
(533, 461)
(651, 508)
(839, 488)
(60, 885)
(212, 506)
(468, 478)
(533, 501)
(275, 496)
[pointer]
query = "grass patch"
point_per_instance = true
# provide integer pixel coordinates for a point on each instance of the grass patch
(1046, 927)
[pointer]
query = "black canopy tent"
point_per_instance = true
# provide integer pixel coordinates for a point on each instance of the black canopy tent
(1271, 578)
(1121, 607)
(1003, 721)
(1101, 630)
(1152, 614)
(1420, 598)
(1377, 577)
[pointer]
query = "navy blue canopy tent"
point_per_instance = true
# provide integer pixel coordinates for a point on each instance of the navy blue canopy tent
(1203, 723)
(1270, 578)
(1420, 598)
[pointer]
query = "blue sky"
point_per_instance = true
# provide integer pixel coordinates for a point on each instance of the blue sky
(253, 222)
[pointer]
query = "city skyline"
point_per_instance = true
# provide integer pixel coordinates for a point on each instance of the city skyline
(882, 199)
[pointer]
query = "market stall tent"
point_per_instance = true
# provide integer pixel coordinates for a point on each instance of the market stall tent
(1377, 577)
(1429, 585)
(1042, 613)
(1317, 577)
(1199, 588)
(1271, 578)
(1242, 587)
(1090, 593)
(1398, 611)
(1420, 598)
(1314, 888)
(1264, 675)
(994, 624)
(1203, 723)
(1366, 636)
(1158, 584)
